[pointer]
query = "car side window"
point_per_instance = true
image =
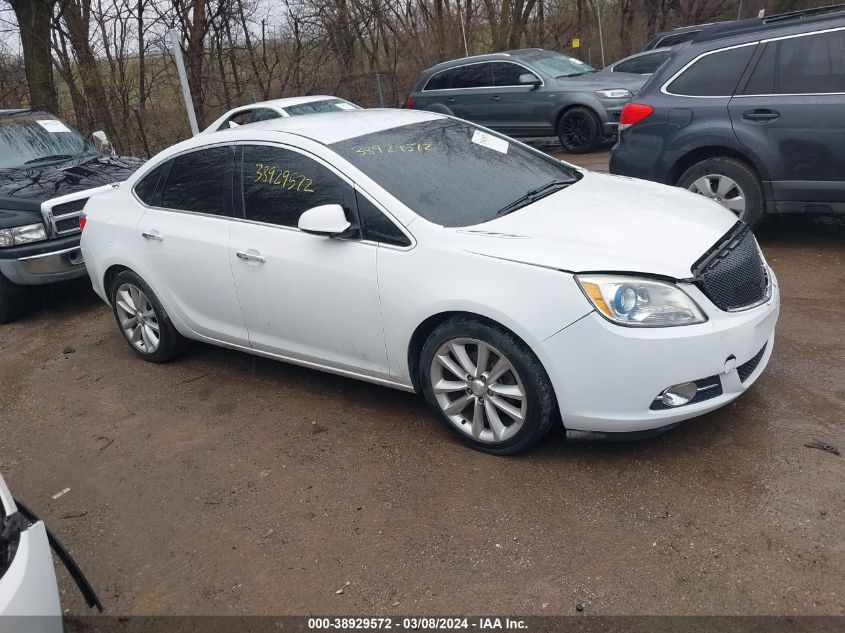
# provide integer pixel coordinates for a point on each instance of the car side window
(146, 188)
(263, 114)
(800, 65)
(642, 65)
(279, 185)
(713, 75)
(200, 182)
(439, 81)
(473, 76)
(507, 74)
(375, 226)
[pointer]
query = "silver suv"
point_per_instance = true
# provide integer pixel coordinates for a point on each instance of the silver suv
(529, 92)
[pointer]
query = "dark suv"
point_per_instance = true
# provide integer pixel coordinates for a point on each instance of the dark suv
(749, 113)
(529, 92)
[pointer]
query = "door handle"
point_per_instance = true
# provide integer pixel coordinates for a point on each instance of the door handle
(495, 98)
(251, 257)
(760, 115)
(155, 236)
(450, 100)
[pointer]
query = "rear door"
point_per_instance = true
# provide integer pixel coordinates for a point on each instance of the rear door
(184, 240)
(516, 107)
(472, 89)
(791, 113)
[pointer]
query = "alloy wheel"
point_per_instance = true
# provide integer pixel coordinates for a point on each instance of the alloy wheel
(478, 390)
(137, 318)
(575, 132)
(723, 190)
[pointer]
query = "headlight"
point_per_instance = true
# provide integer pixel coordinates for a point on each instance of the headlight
(640, 302)
(615, 93)
(22, 234)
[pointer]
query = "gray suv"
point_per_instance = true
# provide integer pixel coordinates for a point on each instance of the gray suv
(529, 92)
(748, 113)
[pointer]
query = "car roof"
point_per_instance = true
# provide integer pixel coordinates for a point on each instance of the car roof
(793, 21)
(492, 57)
(332, 127)
(286, 101)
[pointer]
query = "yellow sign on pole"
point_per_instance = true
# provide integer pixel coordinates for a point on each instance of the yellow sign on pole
(576, 42)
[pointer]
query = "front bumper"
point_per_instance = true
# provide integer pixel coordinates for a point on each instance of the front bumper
(43, 262)
(606, 377)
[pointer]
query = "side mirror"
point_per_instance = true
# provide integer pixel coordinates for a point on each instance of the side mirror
(102, 143)
(328, 220)
(529, 79)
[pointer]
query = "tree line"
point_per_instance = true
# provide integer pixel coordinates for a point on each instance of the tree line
(107, 64)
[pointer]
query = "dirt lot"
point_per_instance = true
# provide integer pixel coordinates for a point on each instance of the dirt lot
(227, 484)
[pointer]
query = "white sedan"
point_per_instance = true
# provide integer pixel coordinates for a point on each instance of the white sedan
(29, 595)
(425, 253)
(279, 108)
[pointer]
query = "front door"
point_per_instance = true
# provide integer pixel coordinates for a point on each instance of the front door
(310, 298)
(791, 113)
(517, 108)
(185, 245)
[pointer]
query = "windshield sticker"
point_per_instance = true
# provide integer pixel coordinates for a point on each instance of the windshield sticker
(53, 126)
(345, 106)
(488, 140)
(282, 178)
(371, 150)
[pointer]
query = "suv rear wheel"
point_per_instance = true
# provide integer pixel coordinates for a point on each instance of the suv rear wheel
(730, 182)
(579, 131)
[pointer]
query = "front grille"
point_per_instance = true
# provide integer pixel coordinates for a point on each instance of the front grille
(707, 388)
(748, 367)
(66, 216)
(732, 273)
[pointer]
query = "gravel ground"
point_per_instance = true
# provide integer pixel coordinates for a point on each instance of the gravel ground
(225, 484)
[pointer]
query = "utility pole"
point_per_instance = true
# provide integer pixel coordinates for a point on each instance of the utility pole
(597, 5)
(176, 46)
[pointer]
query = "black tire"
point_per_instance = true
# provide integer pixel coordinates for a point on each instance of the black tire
(171, 343)
(746, 179)
(13, 300)
(579, 131)
(541, 409)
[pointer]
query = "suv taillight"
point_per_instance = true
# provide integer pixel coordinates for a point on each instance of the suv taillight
(82, 221)
(409, 102)
(632, 113)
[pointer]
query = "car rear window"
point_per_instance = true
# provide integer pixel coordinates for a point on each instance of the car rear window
(315, 107)
(450, 172)
(713, 75)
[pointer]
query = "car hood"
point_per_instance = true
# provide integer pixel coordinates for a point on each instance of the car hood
(606, 223)
(604, 80)
(26, 188)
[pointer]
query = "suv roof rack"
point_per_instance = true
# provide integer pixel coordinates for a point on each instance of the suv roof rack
(739, 27)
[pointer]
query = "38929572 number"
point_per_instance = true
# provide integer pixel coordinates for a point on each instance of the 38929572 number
(284, 178)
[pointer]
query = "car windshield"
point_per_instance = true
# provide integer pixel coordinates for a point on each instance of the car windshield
(314, 107)
(558, 65)
(26, 139)
(452, 173)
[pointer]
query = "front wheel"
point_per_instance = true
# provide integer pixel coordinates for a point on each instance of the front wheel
(13, 300)
(730, 182)
(486, 386)
(579, 131)
(142, 319)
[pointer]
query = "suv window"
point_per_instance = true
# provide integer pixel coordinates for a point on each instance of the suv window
(199, 182)
(472, 76)
(507, 74)
(440, 81)
(800, 65)
(279, 185)
(376, 226)
(643, 64)
(715, 74)
(145, 189)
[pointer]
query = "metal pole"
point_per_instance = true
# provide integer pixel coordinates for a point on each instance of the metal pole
(183, 79)
(463, 32)
(597, 5)
(378, 87)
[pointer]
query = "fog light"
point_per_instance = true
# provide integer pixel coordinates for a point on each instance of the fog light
(676, 395)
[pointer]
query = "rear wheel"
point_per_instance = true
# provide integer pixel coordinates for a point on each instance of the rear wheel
(579, 131)
(142, 319)
(730, 182)
(486, 386)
